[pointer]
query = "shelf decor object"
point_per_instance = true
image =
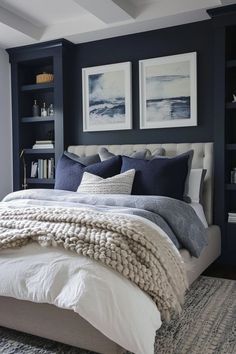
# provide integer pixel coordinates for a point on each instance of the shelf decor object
(50, 92)
(44, 78)
(168, 91)
(107, 97)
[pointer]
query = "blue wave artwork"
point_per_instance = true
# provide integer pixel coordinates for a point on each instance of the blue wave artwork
(167, 94)
(107, 98)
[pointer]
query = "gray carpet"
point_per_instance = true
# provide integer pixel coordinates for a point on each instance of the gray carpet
(207, 325)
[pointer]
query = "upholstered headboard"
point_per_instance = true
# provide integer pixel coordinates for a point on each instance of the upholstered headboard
(203, 158)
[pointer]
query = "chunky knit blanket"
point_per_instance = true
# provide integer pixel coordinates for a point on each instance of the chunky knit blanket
(131, 246)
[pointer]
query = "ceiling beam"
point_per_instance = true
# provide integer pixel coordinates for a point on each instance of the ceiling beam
(19, 24)
(107, 10)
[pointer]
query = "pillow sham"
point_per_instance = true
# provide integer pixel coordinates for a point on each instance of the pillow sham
(119, 184)
(195, 184)
(105, 154)
(190, 154)
(85, 160)
(69, 172)
(160, 176)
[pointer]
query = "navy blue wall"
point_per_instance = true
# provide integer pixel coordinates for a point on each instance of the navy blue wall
(175, 40)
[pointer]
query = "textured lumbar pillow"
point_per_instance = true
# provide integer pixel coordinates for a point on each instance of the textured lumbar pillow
(119, 184)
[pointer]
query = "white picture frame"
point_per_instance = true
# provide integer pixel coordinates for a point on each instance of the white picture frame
(107, 97)
(168, 91)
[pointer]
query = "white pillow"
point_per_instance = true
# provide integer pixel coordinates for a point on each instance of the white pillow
(119, 184)
(195, 185)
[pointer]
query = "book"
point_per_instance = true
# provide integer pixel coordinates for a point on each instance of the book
(34, 169)
(44, 142)
(52, 163)
(45, 168)
(232, 217)
(49, 168)
(43, 146)
(40, 168)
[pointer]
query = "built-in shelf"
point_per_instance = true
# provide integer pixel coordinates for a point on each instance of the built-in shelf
(57, 58)
(231, 146)
(40, 180)
(231, 186)
(35, 87)
(231, 105)
(37, 119)
(231, 63)
(39, 151)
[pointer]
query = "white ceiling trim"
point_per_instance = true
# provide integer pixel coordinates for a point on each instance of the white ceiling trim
(106, 10)
(18, 23)
(137, 27)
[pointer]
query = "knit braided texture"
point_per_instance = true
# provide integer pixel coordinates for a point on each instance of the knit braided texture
(127, 244)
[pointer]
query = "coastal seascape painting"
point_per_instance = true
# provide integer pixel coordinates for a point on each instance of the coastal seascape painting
(107, 97)
(168, 91)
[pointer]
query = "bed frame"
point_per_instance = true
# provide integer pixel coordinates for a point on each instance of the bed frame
(68, 327)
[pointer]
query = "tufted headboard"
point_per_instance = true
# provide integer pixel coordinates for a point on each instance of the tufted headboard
(203, 158)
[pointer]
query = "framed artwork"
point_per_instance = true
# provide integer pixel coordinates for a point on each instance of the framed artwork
(107, 97)
(168, 91)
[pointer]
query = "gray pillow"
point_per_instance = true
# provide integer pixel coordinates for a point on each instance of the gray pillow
(145, 154)
(85, 160)
(156, 153)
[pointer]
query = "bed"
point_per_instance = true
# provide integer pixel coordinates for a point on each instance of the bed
(66, 326)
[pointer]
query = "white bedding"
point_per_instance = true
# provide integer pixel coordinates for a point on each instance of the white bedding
(110, 302)
(106, 299)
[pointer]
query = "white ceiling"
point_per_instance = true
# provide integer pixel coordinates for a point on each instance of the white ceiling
(29, 21)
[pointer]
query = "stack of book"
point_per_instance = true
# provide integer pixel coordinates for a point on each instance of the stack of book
(43, 168)
(232, 217)
(43, 144)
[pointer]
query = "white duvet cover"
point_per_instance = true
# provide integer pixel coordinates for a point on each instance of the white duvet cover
(110, 302)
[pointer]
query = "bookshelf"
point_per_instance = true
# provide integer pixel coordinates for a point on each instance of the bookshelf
(230, 129)
(57, 58)
(224, 25)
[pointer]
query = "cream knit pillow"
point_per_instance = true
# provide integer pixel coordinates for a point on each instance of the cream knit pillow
(119, 184)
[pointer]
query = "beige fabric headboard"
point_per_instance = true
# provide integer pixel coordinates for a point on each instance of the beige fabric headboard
(203, 158)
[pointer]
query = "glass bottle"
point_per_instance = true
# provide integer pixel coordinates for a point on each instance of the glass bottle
(35, 109)
(44, 110)
(50, 110)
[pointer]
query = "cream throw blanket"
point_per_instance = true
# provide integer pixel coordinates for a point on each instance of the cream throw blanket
(127, 244)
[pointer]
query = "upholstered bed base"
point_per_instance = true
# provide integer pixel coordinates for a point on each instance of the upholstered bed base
(68, 327)
(50, 322)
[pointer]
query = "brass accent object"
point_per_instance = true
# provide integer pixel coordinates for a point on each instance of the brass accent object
(22, 157)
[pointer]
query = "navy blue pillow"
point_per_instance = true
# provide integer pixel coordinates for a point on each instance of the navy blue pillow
(69, 172)
(160, 176)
